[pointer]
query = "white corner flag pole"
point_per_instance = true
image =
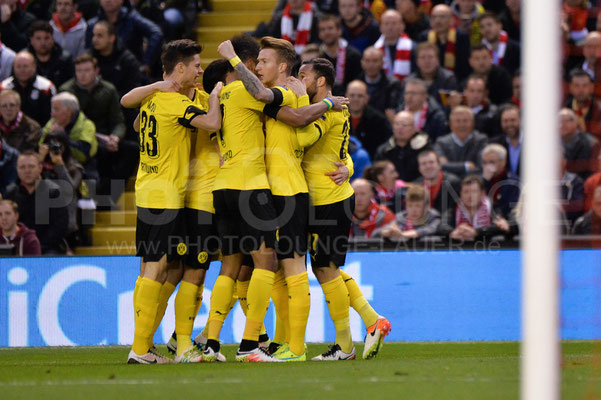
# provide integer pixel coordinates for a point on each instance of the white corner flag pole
(540, 239)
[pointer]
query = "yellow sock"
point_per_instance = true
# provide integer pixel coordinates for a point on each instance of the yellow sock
(337, 298)
(279, 295)
(299, 304)
(199, 299)
(220, 305)
(242, 291)
(358, 301)
(234, 297)
(185, 305)
(166, 291)
(146, 311)
(138, 279)
(259, 292)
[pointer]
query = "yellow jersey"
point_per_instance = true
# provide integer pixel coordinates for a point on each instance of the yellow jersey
(164, 150)
(241, 140)
(204, 163)
(326, 142)
(283, 154)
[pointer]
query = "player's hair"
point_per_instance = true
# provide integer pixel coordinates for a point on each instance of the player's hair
(110, 28)
(371, 173)
(480, 47)
(215, 72)
(578, 73)
(40, 25)
(31, 153)
(12, 204)
(176, 51)
(331, 17)
(472, 179)
(284, 50)
(84, 58)
(488, 14)
(322, 67)
(246, 47)
(10, 92)
(427, 46)
(417, 193)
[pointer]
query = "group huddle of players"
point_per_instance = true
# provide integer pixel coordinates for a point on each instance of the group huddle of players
(256, 173)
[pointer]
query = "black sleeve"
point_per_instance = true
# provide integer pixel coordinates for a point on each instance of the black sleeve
(271, 110)
(191, 113)
(278, 97)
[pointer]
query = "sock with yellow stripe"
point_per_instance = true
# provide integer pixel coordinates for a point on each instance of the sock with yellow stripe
(221, 299)
(166, 291)
(145, 313)
(185, 305)
(279, 295)
(337, 298)
(299, 303)
(242, 291)
(259, 293)
(358, 301)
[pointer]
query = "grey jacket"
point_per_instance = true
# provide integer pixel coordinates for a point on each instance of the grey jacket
(428, 227)
(457, 155)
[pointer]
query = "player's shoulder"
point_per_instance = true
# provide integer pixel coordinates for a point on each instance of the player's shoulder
(201, 98)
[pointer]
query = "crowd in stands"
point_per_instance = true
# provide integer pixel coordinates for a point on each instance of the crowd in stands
(434, 92)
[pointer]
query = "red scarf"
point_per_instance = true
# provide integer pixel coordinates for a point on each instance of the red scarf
(340, 59)
(408, 225)
(450, 48)
(577, 17)
(434, 189)
(300, 38)
(481, 219)
(423, 113)
(402, 58)
(66, 28)
(370, 223)
(499, 54)
(6, 129)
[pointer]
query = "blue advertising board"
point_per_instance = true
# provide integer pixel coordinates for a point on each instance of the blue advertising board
(427, 296)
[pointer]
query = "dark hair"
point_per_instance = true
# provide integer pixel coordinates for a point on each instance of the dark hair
(472, 179)
(427, 46)
(417, 193)
(84, 58)
(331, 17)
(40, 25)
(506, 107)
(479, 47)
(177, 51)
(63, 140)
(322, 67)
(110, 28)
(474, 76)
(31, 153)
(488, 14)
(283, 48)
(246, 47)
(371, 173)
(578, 73)
(215, 72)
(425, 152)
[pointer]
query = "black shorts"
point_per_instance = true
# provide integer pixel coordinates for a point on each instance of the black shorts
(245, 220)
(202, 239)
(160, 231)
(293, 217)
(329, 228)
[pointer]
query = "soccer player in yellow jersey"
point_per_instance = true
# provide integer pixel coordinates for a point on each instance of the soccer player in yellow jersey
(166, 122)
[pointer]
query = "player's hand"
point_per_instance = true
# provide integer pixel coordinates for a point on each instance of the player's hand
(340, 175)
(168, 86)
(297, 87)
(339, 102)
(226, 49)
(217, 89)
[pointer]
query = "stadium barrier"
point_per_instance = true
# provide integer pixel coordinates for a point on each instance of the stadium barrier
(427, 295)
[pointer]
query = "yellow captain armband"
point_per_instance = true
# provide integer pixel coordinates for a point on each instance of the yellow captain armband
(235, 61)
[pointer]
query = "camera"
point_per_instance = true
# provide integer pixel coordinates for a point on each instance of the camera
(55, 147)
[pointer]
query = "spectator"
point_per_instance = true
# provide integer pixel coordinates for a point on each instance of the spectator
(465, 15)
(516, 89)
(369, 125)
(7, 57)
(572, 193)
(345, 58)
(117, 64)
(17, 129)
(53, 62)
(368, 215)
(503, 188)
(512, 19)
(297, 23)
(24, 240)
(459, 151)
(39, 8)
(576, 14)
(41, 204)
(67, 118)
(396, 46)
(580, 149)
(474, 215)
(590, 223)
(418, 220)
(511, 137)
(133, 29)
(384, 91)
(591, 50)
(404, 146)
(498, 80)
(428, 115)
(584, 103)
(359, 156)
(359, 27)
(475, 97)
(453, 44)
(69, 27)
(35, 90)
(310, 51)
(389, 189)
(505, 51)
(590, 184)
(440, 82)
(413, 16)
(14, 23)
(443, 187)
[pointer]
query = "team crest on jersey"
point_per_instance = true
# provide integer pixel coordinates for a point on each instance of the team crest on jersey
(181, 249)
(203, 256)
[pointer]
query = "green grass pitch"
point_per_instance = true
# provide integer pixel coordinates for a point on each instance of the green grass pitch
(471, 370)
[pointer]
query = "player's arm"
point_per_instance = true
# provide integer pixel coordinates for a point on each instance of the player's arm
(134, 97)
(137, 124)
(208, 121)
